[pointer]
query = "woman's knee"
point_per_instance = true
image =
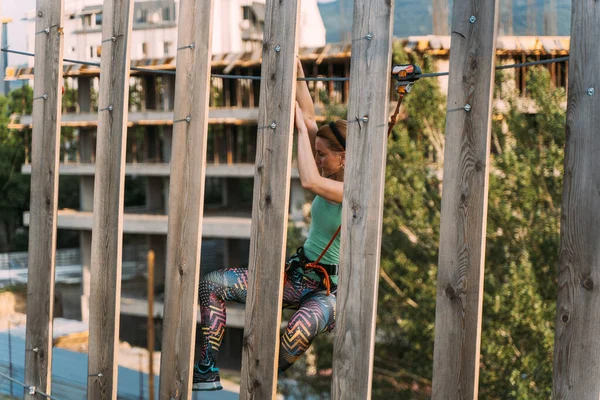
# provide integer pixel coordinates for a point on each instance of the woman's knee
(326, 306)
(225, 284)
(314, 317)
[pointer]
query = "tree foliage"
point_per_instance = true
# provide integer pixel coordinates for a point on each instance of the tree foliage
(13, 185)
(522, 247)
(15, 149)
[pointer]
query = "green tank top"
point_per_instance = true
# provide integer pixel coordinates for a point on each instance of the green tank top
(325, 220)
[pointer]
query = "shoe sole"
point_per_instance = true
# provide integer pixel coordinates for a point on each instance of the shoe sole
(206, 387)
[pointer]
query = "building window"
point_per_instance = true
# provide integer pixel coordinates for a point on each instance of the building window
(142, 16)
(98, 51)
(166, 48)
(87, 21)
(99, 19)
(167, 14)
(144, 49)
(246, 12)
(91, 51)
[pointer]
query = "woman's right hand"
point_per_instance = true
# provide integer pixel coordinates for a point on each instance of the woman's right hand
(299, 69)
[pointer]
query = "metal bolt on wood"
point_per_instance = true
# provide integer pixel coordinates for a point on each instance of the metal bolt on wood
(467, 107)
(591, 91)
(472, 19)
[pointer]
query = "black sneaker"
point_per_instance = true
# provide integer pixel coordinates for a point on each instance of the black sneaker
(206, 378)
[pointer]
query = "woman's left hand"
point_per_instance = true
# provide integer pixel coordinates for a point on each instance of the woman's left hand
(299, 116)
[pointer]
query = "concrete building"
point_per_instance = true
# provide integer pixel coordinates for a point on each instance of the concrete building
(238, 26)
(238, 29)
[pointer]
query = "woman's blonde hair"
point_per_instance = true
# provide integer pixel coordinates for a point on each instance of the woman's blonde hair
(336, 141)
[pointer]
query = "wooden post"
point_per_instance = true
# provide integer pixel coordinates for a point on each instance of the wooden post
(251, 89)
(270, 202)
(362, 212)
(186, 197)
(464, 201)
(577, 343)
(229, 144)
(150, 329)
(107, 240)
(217, 140)
(47, 104)
(238, 89)
(440, 17)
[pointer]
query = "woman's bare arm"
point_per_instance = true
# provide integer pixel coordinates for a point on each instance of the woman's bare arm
(306, 105)
(307, 167)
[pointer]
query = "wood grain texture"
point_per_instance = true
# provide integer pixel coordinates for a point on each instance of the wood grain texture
(464, 201)
(47, 106)
(362, 211)
(577, 342)
(107, 238)
(186, 197)
(270, 201)
(150, 319)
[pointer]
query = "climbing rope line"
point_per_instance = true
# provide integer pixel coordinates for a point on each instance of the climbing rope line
(32, 389)
(319, 79)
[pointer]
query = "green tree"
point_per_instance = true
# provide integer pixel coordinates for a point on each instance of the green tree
(13, 185)
(406, 307)
(522, 246)
(15, 148)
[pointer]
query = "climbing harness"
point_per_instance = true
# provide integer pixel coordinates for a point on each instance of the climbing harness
(299, 260)
(315, 264)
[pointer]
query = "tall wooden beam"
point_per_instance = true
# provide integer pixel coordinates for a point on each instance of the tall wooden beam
(107, 238)
(439, 21)
(577, 343)
(186, 197)
(47, 106)
(464, 200)
(362, 211)
(270, 201)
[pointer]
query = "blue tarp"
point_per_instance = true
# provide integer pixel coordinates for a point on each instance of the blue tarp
(69, 375)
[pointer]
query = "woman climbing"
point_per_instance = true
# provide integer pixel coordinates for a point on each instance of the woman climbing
(311, 273)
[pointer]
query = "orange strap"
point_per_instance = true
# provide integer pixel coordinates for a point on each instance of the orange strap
(315, 264)
(401, 91)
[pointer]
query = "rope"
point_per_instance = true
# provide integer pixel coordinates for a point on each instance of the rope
(30, 388)
(396, 111)
(319, 79)
(315, 264)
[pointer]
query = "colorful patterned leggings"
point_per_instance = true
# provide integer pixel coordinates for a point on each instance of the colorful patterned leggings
(315, 312)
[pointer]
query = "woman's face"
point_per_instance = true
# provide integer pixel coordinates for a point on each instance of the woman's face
(329, 162)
